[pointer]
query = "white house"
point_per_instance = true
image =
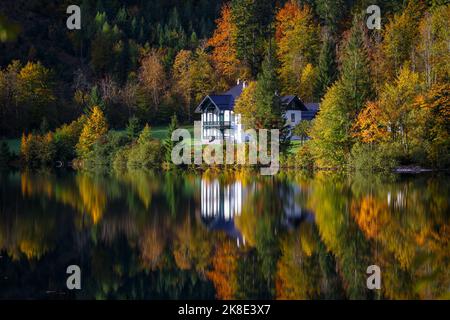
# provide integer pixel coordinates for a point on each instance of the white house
(217, 114)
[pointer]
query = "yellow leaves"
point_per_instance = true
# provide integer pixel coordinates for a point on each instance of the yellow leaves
(94, 128)
(31, 249)
(307, 84)
(92, 196)
(246, 105)
(391, 113)
(34, 78)
(288, 17)
(297, 41)
(400, 36)
(152, 77)
(432, 49)
(195, 76)
(297, 273)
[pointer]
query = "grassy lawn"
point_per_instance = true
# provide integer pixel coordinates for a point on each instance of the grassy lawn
(160, 132)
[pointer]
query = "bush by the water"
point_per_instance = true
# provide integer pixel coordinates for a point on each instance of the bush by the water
(144, 153)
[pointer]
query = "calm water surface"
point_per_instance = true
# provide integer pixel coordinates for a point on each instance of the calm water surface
(141, 235)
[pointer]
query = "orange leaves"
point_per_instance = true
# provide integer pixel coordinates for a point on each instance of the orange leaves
(368, 126)
(287, 18)
(223, 274)
(224, 48)
(371, 215)
(153, 77)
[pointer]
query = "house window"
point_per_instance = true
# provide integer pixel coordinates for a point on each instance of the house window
(292, 117)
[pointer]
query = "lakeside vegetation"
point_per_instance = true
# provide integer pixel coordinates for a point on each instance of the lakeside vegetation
(384, 93)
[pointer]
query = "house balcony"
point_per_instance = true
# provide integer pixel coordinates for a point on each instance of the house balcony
(217, 124)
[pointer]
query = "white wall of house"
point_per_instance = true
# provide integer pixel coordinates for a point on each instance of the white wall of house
(238, 129)
(293, 117)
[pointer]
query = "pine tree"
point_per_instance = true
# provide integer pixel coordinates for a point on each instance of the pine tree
(331, 12)
(355, 72)
(133, 128)
(252, 19)
(331, 132)
(268, 109)
(168, 144)
(267, 99)
(327, 69)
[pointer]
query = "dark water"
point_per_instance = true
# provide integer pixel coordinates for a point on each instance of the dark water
(236, 235)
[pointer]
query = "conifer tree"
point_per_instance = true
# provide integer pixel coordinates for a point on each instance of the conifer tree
(252, 19)
(327, 69)
(168, 144)
(95, 127)
(267, 99)
(331, 132)
(355, 72)
(268, 108)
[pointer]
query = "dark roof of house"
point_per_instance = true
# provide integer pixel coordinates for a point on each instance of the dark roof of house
(312, 106)
(236, 90)
(223, 102)
(310, 113)
(227, 100)
(292, 103)
(287, 99)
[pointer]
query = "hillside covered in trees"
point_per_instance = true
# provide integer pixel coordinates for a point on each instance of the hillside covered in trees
(384, 93)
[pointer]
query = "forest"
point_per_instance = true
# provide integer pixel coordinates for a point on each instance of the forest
(94, 96)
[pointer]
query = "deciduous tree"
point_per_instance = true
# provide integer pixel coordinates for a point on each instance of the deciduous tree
(297, 48)
(95, 127)
(223, 43)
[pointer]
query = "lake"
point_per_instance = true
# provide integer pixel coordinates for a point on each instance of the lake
(233, 235)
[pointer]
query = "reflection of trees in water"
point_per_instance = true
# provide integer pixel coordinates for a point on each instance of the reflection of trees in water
(412, 230)
(143, 235)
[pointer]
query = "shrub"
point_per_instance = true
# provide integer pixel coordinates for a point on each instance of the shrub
(66, 139)
(381, 157)
(121, 158)
(146, 152)
(38, 150)
(105, 149)
(304, 158)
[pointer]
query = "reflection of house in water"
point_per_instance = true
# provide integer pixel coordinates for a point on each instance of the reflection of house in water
(220, 203)
(397, 200)
(294, 213)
